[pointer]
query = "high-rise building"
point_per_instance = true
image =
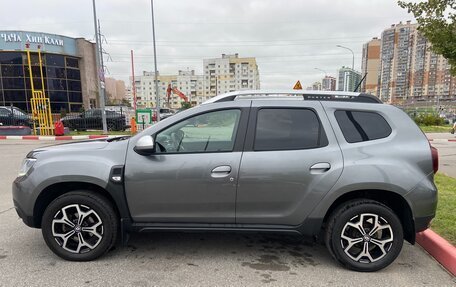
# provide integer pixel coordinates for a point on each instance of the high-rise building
(370, 65)
(230, 73)
(410, 70)
(348, 79)
(328, 83)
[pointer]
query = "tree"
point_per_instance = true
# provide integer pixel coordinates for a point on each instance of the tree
(436, 22)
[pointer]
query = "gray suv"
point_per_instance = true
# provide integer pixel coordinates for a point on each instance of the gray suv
(339, 167)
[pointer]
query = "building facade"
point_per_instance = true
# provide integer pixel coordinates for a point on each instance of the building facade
(190, 84)
(69, 70)
(348, 79)
(229, 73)
(221, 75)
(370, 66)
(317, 86)
(410, 71)
(115, 91)
(328, 83)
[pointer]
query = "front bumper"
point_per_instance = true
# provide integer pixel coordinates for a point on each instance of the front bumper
(24, 199)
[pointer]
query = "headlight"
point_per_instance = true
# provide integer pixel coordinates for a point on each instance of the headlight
(26, 165)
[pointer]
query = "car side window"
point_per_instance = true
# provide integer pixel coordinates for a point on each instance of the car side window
(288, 129)
(358, 126)
(5, 112)
(209, 132)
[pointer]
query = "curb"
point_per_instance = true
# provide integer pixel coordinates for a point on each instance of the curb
(442, 140)
(443, 251)
(58, 138)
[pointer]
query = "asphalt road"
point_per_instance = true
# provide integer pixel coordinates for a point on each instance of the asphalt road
(447, 152)
(180, 259)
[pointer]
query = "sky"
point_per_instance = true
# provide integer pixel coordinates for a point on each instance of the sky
(289, 38)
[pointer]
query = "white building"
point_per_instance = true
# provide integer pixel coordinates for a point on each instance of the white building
(229, 73)
(187, 82)
(221, 75)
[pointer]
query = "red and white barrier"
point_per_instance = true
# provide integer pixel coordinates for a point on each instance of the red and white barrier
(57, 138)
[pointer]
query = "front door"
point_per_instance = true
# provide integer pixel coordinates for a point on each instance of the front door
(192, 176)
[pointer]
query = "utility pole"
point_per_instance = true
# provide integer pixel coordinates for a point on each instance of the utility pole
(133, 86)
(157, 92)
(101, 59)
(101, 84)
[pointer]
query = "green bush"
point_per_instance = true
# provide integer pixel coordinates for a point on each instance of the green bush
(429, 120)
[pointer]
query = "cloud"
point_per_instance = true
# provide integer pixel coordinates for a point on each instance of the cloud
(289, 38)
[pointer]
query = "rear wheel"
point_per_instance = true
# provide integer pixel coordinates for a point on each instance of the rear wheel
(79, 226)
(112, 126)
(364, 235)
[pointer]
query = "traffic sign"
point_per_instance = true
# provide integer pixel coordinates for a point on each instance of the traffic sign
(297, 86)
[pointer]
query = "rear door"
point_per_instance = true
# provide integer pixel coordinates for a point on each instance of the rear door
(290, 161)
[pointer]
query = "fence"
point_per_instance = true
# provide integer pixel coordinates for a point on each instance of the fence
(84, 121)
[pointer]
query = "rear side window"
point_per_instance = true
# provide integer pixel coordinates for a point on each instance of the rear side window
(360, 126)
(288, 129)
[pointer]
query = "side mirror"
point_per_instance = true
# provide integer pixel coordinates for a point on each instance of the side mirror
(145, 145)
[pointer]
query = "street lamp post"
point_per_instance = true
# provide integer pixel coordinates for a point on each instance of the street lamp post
(157, 94)
(353, 61)
(321, 70)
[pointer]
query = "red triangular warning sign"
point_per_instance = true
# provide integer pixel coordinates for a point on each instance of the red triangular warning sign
(297, 86)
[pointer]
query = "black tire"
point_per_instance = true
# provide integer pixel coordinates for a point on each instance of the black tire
(87, 201)
(360, 209)
(111, 126)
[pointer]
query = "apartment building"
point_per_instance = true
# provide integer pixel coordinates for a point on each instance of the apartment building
(370, 65)
(328, 83)
(229, 73)
(409, 70)
(348, 79)
(187, 82)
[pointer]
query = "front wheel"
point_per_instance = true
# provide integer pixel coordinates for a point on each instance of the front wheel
(364, 235)
(79, 226)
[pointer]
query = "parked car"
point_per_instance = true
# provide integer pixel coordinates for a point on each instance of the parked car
(164, 113)
(13, 116)
(339, 167)
(91, 119)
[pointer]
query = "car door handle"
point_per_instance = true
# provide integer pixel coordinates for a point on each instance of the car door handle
(221, 171)
(320, 167)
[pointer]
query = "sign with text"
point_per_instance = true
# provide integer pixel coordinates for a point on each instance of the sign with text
(16, 40)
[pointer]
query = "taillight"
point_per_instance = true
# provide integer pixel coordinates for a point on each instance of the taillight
(435, 159)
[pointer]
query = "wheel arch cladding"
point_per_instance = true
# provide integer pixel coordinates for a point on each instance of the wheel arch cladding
(389, 198)
(53, 191)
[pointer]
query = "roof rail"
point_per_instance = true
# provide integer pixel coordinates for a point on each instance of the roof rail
(305, 94)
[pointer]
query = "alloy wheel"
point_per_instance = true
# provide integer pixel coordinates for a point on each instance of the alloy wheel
(77, 228)
(366, 238)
